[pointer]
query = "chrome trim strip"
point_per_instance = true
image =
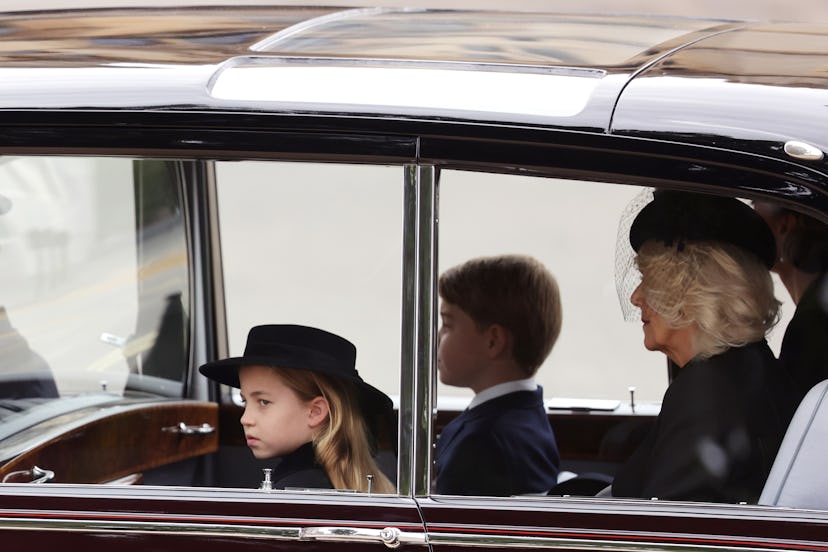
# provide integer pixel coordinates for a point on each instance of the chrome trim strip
(408, 338)
(299, 60)
(390, 536)
(426, 324)
(187, 177)
(216, 261)
(151, 527)
(419, 322)
(299, 533)
(513, 541)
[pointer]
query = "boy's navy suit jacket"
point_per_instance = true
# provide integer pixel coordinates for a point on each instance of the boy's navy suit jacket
(502, 447)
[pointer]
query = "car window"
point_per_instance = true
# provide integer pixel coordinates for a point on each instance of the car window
(571, 227)
(93, 284)
(318, 245)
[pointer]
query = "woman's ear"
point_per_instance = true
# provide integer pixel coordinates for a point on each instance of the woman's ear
(318, 411)
(783, 226)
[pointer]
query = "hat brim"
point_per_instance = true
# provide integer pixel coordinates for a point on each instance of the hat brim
(674, 218)
(226, 371)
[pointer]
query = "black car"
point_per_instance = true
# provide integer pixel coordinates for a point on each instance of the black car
(172, 177)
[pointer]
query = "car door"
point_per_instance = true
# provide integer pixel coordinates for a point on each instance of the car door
(152, 461)
(602, 388)
(41, 517)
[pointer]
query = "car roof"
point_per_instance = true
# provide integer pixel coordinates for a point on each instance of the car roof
(761, 85)
(163, 58)
(694, 79)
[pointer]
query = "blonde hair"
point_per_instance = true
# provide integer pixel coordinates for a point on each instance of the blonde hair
(342, 445)
(724, 290)
(515, 291)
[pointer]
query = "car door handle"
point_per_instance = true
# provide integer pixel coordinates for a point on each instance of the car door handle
(184, 429)
(389, 536)
(38, 475)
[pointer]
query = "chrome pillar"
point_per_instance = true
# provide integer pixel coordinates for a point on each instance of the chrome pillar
(418, 327)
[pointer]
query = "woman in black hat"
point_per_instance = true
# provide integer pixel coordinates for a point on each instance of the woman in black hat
(706, 300)
(307, 405)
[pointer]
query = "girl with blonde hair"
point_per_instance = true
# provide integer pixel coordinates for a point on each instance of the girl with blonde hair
(307, 405)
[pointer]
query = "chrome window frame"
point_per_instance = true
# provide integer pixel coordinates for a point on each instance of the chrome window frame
(419, 323)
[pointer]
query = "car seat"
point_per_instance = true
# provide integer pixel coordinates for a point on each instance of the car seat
(797, 478)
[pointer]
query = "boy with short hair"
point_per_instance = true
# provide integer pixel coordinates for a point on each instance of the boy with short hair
(500, 318)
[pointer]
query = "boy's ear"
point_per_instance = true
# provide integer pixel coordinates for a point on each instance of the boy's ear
(498, 340)
(318, 411)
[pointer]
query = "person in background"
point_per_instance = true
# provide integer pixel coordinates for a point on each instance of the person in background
(802, 265)
(306, 404)
(23, 372)
(500, 319)
(707, 302)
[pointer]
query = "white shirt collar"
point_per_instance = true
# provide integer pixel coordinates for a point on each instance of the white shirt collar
(503, 389)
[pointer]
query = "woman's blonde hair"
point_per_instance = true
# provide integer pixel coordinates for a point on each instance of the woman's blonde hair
(726, 291)
(342, 445)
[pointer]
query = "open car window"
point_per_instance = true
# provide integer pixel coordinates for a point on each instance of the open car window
(571, 227)
(98, 247)
(94, 279)
(316, 244)
(602, 389)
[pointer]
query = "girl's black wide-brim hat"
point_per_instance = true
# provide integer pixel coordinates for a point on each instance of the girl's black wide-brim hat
(301, 348)
(675, 218)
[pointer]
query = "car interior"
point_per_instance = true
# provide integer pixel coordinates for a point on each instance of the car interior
(119, 281)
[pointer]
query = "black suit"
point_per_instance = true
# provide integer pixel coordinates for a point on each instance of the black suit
(804, 351)
(502, 447)
(721, 423)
